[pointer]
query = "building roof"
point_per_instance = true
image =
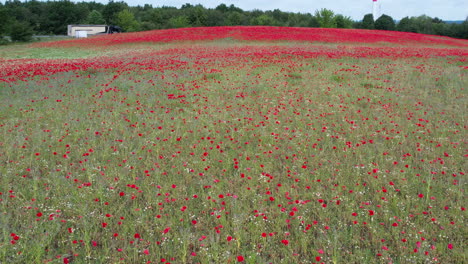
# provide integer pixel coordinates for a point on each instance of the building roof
(85, 25)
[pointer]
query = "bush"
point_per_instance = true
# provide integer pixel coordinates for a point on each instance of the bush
(3, 40)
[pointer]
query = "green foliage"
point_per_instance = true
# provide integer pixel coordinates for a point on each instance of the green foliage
(427, 25)
(298, 20)
(111, 10)
(144, 26)
(280, 17)
(263, 20)
(21, 32)
(196, 15)
(233, 8)
(179, 22)
(222, 8)
(3, 40)
(406, 25)
(52, 17)
(459, 30)
(155, 17)
(215, 18)
(95, 17)
(424, 24)
(60, 14)
(126, 20)
(325, 18)
(4, 14)
(385, 22)
(234, 19)
(463, 31)
(368, 22)
(313, 21)
(343, 22)
(18, 10)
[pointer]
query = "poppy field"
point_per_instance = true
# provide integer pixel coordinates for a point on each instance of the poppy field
(234, 145)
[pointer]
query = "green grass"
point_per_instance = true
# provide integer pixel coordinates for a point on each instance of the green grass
(293, 147)
(25, 51)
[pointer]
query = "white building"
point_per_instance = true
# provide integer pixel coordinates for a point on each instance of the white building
(83, 31)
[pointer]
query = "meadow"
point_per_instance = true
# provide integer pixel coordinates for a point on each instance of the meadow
(234, 145)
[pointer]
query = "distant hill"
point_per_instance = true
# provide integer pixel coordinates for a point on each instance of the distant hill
(453, 21)
(445, 21)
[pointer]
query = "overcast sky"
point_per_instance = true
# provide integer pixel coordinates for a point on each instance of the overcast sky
(356, 9)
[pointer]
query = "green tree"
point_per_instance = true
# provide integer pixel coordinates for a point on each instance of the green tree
(111, 10)
(4, 14)
(263, 20)
(168, 15)
(156, 17)
(439, 28)
(437, 20)
(179, 22)
(196, 15)
(464, 29)
(93, 6)
(407, 25)
(222, 8)
(424, 24)
(95, 17)
(368, 22)
(36, 13)
(302, 20)
(145, 25)
(343, 22)
(460, 30)
(215, 18)
(385, 22)
(280, 17)
(21, 32)
(234, 19)
(252, 15)
(186, 6)
(312, 21)
(233, 8)
(17, 10)
(59, 14)
(325, 18)
(294, 20)
(53, 16)
(126, 20)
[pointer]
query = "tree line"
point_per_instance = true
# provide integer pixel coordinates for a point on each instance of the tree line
(21, 20)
